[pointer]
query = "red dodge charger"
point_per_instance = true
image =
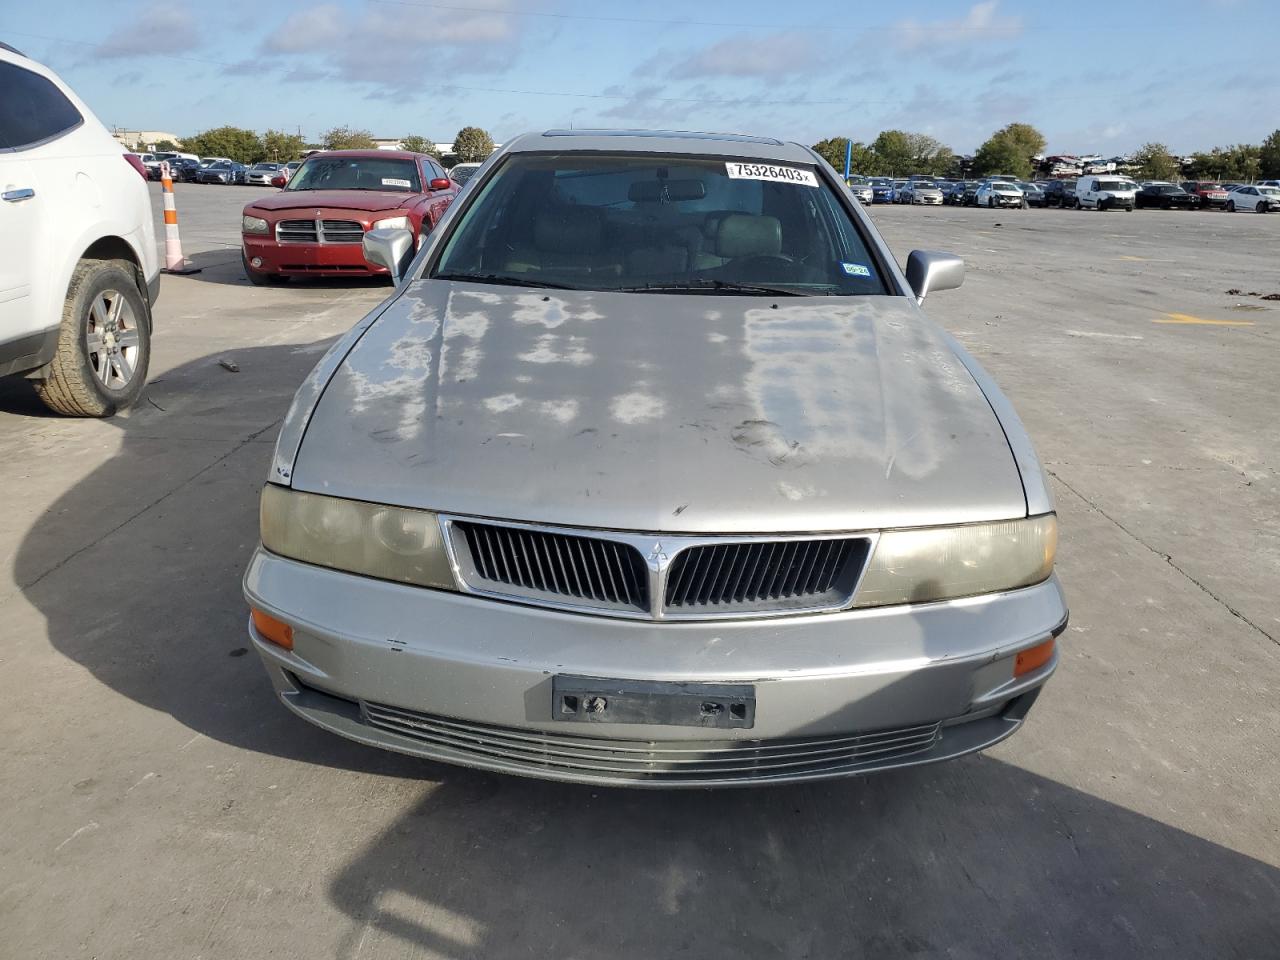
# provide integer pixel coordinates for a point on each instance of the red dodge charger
(315, 225)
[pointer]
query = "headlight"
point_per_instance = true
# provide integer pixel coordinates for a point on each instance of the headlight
(392, 223)
(941, 563)
(390, 543)
(253, 224)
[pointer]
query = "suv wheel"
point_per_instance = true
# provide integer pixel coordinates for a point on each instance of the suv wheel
(104, 343)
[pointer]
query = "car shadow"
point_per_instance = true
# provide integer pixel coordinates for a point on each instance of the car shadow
(976, 858)
(223, 266)
(180, 645)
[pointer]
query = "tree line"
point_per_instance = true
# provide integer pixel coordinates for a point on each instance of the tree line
(471, 145)
(1012, 150)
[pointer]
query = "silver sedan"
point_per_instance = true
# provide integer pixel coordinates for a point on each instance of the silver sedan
(666, 482)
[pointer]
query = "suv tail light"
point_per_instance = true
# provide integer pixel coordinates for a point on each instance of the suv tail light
(135, 161)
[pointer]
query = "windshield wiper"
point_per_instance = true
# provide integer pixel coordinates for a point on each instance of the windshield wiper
(705, 285)
(504, 280)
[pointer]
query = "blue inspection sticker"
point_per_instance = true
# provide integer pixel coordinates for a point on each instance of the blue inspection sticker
(855, 270)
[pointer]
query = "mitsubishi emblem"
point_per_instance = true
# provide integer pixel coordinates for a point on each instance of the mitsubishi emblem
(656, 558)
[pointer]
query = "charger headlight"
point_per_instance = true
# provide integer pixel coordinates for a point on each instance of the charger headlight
(391, 223)
(390, 543)
(250, 224)
(943, 563)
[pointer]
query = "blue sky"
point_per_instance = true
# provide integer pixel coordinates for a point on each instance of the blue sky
(1105, 77)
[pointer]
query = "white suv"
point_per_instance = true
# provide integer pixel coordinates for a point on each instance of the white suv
(79, 269)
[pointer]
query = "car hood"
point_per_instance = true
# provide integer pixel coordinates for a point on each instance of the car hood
(371, 201)
(707, 414)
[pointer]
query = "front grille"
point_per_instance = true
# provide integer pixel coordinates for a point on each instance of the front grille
(710, 761)
(764, 575)
(296, 231)
(319, 231)
(541, 565)
(341, 231)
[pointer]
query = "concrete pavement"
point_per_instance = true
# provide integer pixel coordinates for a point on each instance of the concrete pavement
(160, 803)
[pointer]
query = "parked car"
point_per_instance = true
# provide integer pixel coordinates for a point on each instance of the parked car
(861, 189)
(432, 580)
(921, 192)
(460, 173)
(1032, 194)
(222, 171)
(1257, 199)
(1165, 196)
(1060, 193)
(77, 279)
(1106, 193)
(184, 169)
(1211, 194)
(999, 193)
(967, 194)
(263, 173)
(315, 225)
(153, 167)
(898, 186)
(883, 190)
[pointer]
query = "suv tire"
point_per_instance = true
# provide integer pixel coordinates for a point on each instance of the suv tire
(104, 343)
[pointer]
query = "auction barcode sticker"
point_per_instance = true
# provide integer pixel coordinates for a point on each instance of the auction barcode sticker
(396, 182)
(767, 171)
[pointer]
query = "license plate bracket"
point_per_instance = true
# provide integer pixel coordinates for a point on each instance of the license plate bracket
(720, 706)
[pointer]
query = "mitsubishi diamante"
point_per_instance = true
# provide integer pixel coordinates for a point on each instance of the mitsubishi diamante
(652, 471)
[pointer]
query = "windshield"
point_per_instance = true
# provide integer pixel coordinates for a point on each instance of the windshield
(462, 174)
(1114, 185)
(357, 173)
(660, 224)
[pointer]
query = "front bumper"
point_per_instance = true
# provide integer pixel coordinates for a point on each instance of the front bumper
(935, 201)
(468, 680)
(308, 259)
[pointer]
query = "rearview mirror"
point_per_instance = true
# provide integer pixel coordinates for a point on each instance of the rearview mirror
(930, 270)
(388, 247)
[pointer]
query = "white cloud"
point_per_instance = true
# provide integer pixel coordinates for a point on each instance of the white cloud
(773, 55)
(983, 23)
(160, 29)
(394, 48)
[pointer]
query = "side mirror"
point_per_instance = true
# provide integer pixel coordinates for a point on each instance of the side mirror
(279, 180)
(929, 271)
(388, 247)
(440, 183)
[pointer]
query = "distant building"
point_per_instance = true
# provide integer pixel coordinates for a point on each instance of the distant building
(148, 138)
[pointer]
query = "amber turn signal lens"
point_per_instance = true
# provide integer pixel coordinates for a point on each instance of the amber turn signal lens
(1033, 658)
(278, 632)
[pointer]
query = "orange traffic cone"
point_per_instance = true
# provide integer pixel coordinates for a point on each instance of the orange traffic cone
(173, 259)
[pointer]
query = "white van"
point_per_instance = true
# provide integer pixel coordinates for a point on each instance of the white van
(1106, 193)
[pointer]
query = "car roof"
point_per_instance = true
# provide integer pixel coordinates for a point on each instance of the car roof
(661, 141)
(367, 153)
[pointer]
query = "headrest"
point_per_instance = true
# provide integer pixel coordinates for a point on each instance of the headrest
(567, 230)
(742, 235)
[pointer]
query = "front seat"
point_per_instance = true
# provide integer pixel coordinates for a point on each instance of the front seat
(566, 240)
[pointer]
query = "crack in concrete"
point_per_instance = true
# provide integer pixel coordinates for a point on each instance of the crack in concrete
(1167, 559)
(240, 445)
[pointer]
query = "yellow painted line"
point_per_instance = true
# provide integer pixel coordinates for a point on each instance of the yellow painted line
(1144, 259)
(1189, 319)
(1134, 259)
